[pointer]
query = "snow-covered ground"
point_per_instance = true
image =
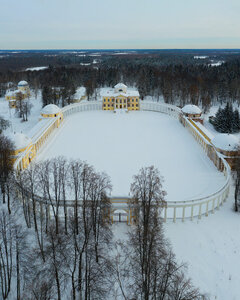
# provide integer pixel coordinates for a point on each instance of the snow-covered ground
(120, 144)
(212, 112)
(211, 248)
(16, 123)
(200, 57)
(216, 63)
(36, 68)
(80, 92)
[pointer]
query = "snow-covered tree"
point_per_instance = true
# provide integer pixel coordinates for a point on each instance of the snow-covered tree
(226, 120)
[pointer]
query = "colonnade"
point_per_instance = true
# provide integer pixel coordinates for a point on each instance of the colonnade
(173, 210)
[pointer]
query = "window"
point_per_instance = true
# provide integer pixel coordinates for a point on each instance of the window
(104, 100)
(136, 100)
(108, 105)
(104, 105)
(137, 105)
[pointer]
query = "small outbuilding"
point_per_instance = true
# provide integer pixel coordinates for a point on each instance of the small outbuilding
(228, 145)
(193, 112)
(24, 147)
(23, 86)
(52, 111)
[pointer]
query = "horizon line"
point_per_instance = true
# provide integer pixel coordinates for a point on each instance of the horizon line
(115, 49)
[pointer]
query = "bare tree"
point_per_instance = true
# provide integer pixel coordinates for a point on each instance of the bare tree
(20, 255)
(100, 204)
(4, 124)
(6, 253)
(6, 167)
(153, 271)
(26, 109)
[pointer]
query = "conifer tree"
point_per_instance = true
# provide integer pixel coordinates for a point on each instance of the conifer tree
(226, 120)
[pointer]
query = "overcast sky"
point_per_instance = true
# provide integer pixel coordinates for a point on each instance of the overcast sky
(123, 24)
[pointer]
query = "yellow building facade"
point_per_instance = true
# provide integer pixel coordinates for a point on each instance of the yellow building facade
(121, 98)
(22, 92)
(26, 147)
(24, 87)
(23, 148)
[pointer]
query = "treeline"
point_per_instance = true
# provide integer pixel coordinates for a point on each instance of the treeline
(52, 251)
(177, 84)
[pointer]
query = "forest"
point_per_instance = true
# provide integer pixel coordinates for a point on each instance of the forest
(177, 84)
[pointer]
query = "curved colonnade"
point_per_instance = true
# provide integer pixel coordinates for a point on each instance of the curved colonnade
(173, 210)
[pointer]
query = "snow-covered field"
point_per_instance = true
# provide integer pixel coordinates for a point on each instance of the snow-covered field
(211, 249)
(16, 123)
(120, 144)
(36, 68)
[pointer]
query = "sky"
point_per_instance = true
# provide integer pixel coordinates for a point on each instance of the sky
(125, 24)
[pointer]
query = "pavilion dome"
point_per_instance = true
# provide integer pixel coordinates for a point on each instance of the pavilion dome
(191, 109)
(50, 109)
(20, 140)
(22, 83)
(226, 142)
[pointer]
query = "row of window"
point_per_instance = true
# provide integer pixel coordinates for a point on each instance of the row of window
(124, 100)
(112, 105)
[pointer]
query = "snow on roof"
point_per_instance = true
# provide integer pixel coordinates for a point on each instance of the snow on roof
(81, 91)
(37, 130)
(120, 211)
(191, 109)
(204, 130)
(20, 140)
(120, 85)
(112, 93)
(22, 83)
(12, 93)
(50, 109)
(225, 141)
(120, 94)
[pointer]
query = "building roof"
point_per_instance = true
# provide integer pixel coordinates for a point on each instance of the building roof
(13, 93)
(191, 109)
(50, 109)
(20, 140)
(22, 83)
(113, 93)
(120, 85)
(81, 91)
(225, 141)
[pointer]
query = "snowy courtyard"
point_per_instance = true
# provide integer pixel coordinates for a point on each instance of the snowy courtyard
(120, 144)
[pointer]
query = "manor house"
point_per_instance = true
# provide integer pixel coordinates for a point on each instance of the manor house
(121, 98)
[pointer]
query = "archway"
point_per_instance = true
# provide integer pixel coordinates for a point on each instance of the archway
(120, 215)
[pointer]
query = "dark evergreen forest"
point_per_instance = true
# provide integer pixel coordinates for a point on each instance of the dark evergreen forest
(178, 78)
